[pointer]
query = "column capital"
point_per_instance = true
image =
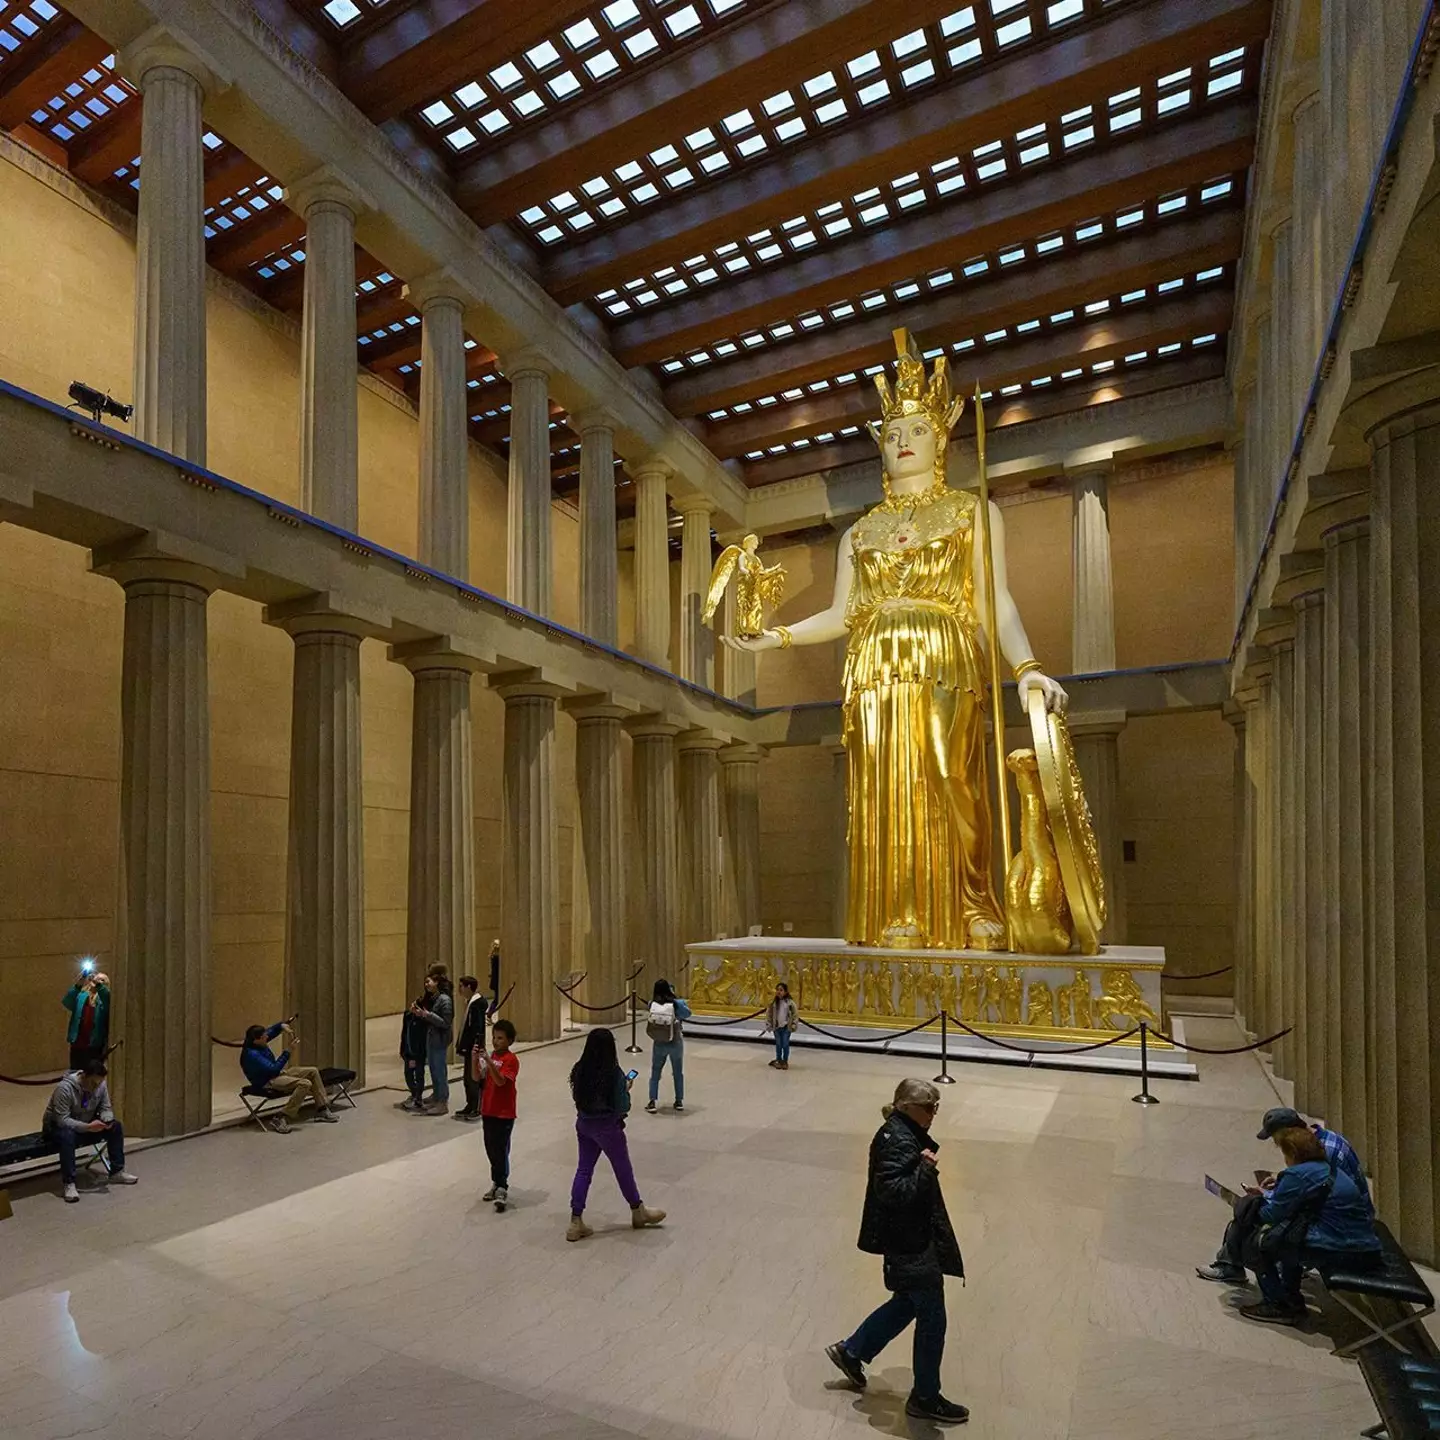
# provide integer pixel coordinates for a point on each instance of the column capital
(594, 707)
(688, 505)
(592, 419)
(1275, 628)
(327, 186)
(525, 684)
(695, 740)
(652, 468)
(1096, 722)
(742, 752)
(653, 727)
(1394, 384)
(1233, 713)
(1346, 531)
(327, 613)
(1302, 573)
(530, 360)
(439, 287)
(1098, 469)
(164, 557)
(158, 49)
(443, 652)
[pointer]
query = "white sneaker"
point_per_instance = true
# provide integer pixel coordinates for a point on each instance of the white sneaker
(124, 1177)
(70, 1194)
(490, 1194)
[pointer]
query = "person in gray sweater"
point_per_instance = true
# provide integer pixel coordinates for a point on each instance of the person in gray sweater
(80, 1107)
(438, 1013)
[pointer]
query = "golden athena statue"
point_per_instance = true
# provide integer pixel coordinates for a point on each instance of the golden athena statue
(756, 586)
(913, 597)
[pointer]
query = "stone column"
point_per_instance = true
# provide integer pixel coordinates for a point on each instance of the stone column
(329, 399)
(652, 564)
(1256, 700)
(440, 919)
(657, 928)
(600, 854)
(1311, 1000)
(1307, 253)
(740, 781)
(1260, 423)
(530, 899)
(599, 551)
(698, 785)
(738, 674)
(170, 392)
(324, 891)
(162, 921)
(528, 533)
(444, 531)
(1281, 395)
(1282, 847)
(1097, 751)
(697, 641)
(1348, 767)
(839, 841)
(1405, 820)
(1093, 612)
(1240, 839)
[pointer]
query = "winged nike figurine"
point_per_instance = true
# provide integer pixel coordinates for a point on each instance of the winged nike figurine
(756, 585)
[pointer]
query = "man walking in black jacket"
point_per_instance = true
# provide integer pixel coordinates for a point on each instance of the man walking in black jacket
(472, 1033)
(906, 1222)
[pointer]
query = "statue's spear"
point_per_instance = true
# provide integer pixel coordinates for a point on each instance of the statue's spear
(992, 629)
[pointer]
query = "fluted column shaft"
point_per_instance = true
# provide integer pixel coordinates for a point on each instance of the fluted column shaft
(599, 555)
(600, 921)
(1240, 842)
(1348, 763)
(529, 902)
(444, 447)
(170, 394)
(1307, 255)
(1405, 821)
(1093, 611)
(1281, 395)
(1311, 999)
(329, 398)
(740, 782)
(698, 771)
(1282, 840)
(1258, 733)
(1097, 752)
(163, 918)
(652, 566)
(653, 785)
(528, 536)
(697, 641)
(440, 919)
(839, 840)
(324, 892)
(1260, 456)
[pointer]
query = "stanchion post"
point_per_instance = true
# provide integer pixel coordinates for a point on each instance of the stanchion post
(944, 1077)
(1144, 1097)
(632, 1048)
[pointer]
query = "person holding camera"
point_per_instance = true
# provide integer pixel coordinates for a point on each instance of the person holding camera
(88, 1001)
(267, 1070)
(79, 1108)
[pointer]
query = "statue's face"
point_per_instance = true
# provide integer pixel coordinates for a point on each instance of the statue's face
(909, 444)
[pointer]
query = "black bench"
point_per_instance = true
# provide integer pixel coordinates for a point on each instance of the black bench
(1406, 1392)
(261, 1100)
(22, 1149)
(1394, 1282)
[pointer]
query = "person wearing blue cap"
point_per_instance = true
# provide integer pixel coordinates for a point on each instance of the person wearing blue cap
(1228, 1267)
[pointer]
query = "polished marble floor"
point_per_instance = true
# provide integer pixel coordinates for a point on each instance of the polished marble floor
(346, 1281)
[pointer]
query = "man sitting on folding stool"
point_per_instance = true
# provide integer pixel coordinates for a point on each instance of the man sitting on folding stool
(265, 1069)
(79, 1110)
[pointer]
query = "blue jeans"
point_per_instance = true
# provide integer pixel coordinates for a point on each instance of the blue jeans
(927, 1309)
(67, 1139)
(439, 1058)
(674, 1052)
(782, 1044)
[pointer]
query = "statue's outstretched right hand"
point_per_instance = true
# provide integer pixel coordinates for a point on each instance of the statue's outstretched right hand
(768, 640)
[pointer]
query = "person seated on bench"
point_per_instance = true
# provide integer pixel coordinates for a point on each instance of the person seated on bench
(268, 1071)
(1314, 1218)
(79, 1108)
(1228, 1267)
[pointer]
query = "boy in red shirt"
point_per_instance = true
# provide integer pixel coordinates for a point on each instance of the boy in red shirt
(500, 1070)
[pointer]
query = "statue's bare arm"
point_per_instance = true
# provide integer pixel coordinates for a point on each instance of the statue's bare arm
(822, 627)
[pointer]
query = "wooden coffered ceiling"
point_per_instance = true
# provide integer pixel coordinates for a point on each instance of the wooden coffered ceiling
(749, 195)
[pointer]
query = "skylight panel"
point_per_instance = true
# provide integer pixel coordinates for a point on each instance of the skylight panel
(506, 75)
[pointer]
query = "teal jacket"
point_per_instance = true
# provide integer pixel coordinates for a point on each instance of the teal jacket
(74, 1002)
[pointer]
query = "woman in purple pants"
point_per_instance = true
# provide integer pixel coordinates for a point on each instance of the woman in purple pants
(601, 1091)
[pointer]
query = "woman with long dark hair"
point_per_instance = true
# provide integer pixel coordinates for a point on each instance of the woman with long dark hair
(601, 1091)
(667, 1041)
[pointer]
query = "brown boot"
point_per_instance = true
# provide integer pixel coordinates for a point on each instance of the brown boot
(640, 1217)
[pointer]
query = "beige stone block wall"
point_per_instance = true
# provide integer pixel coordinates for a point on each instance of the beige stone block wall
(66, 312)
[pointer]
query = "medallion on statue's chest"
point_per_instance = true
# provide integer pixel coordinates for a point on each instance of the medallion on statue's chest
(894, 526)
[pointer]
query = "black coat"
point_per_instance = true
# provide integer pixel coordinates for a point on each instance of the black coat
(472, 1029)
(905, 1218)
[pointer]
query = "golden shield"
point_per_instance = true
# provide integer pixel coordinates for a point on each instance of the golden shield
(1070, 825)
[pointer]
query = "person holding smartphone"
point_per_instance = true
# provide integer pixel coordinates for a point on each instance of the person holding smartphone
(601, 1091)
(79, 1108)
(88, 1001)
(501, 1071)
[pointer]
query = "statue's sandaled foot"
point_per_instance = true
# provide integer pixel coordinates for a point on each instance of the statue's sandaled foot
(987, 934)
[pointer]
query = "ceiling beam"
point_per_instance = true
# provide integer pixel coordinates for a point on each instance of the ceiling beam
(42, 69)
(1051, 197)
(1001, 98)
(1130, 262)
(107, 145)
(1141, 327)
(740, 65)
(490, 432)
(232, 171)
(240, 247)
(438, 45)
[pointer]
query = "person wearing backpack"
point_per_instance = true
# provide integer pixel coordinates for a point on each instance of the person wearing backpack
(667, 1041)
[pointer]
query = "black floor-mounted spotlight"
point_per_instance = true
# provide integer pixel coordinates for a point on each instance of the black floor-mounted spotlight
(96, 404)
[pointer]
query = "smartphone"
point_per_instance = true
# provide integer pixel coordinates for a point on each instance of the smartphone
(631, 1074)
(1224, 1192)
